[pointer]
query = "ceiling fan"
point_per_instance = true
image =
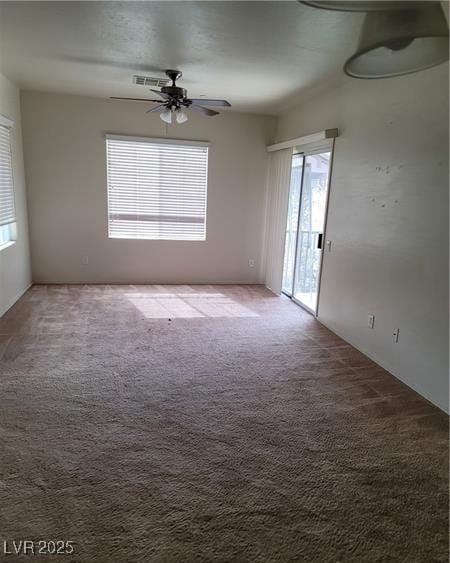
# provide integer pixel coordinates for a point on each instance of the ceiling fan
(174, 100)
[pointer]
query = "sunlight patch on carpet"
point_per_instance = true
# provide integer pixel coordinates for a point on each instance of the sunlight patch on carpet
(188, 305)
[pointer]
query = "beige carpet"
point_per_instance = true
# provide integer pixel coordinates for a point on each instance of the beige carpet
(209, 423)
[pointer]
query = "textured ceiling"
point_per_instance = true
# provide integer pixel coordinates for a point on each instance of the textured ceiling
(261, 56)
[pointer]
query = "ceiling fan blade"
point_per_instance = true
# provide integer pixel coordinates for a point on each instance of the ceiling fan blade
(201, 109)
(207, 102)
(162, 94)
(134, 99)
(156, 108)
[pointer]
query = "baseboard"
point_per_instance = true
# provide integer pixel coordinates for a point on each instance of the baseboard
(249, 283)
(15, 299)
(381, 362)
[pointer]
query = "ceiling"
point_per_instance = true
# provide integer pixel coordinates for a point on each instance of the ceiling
(261, 56)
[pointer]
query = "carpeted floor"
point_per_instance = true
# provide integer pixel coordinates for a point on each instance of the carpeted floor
(209, 423)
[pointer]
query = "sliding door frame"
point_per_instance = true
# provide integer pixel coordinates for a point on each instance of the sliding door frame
(313, 312)
(325, 226)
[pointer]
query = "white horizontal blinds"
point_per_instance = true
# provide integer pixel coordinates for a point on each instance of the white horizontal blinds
(156, 190)
(7, 208)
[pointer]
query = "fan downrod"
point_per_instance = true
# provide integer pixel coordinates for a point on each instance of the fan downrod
(174, 75)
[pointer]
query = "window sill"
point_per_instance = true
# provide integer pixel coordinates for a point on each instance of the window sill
(114, 237)
(7, 244)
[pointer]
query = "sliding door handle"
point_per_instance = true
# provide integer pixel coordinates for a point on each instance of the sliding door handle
(319, 240)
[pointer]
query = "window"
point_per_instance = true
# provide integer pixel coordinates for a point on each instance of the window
(156, 188)
(7, 207)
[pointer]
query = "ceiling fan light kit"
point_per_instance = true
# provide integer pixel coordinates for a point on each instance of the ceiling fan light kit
(180, 116)
(174, 101)
(396, 38)
(167, 114)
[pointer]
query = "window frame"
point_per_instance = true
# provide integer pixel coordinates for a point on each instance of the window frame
(160, 141)
(8, 232)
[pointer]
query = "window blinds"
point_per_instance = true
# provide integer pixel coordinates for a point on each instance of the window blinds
(7, 208)
(156, 188)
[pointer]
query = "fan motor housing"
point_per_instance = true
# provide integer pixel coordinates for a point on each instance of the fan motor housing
(174, 91)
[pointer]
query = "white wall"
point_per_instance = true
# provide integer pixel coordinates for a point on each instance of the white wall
(66, 174)
(15, 275)
(388, 221)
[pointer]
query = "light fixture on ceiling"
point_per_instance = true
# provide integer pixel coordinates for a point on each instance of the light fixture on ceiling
(180, 116)
(396, 38)
(166, 115)
(174, 102)
(401, 42)
(369, 6)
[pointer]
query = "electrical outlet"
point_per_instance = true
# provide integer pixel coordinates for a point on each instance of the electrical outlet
(329, 245)
(396, 334)
(251, 263)
(85, 260)
(371, 321)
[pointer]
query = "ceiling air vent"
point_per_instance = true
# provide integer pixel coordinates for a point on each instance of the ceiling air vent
(150, 81)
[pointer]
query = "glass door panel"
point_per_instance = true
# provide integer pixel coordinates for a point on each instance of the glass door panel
(311, 222)
(292, 224)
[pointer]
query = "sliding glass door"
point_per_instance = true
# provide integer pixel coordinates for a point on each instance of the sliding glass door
(305, 227)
